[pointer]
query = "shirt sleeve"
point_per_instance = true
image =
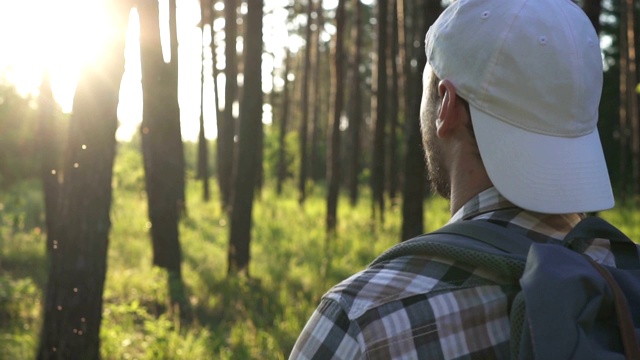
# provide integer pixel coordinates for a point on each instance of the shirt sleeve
(329, 334)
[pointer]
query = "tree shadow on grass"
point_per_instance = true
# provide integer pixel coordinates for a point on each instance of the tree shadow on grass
(26, 262)
(244, 317)
(23, 276)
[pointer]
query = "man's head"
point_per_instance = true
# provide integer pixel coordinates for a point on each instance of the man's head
(531, 72)
(433, 100)
(436, 162)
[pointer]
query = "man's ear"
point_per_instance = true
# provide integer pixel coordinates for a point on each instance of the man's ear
(447, 116)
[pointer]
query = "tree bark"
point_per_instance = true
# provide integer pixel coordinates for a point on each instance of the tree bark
(624, 120)
(162, 151)
(593, 8)
(259, 147)
(632, 95)
(317, 171)
(203, 151)
(337, 78)
(394, 105)
(78, 258)
(250, 129)
(282, 165)
(226, 132)
(379, 108)
(355, 123)
(414, 168)
(304, 124)
(173, 113)
(629, 127)
(48, 142)
(215, 72)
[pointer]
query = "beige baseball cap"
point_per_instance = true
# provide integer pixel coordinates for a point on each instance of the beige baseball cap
(531, 71)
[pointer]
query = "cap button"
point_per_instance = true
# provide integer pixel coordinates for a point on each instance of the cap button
(485, 14)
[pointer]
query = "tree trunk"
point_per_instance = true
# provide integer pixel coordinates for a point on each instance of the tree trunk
(259, 147)
(379, 110)
(176, 159)
(162, 152)
(629, 127)
(282, 165)
(48, 142)
(333, 168)
(215, 72)
(226, 132)
(317, 171)
(394, 106)
(624, 131)
(203, 151)
(304, 124)
(633, 97)
(593, 8)
(250, 129)
(78, 258)
(414, 167)
(355, 123)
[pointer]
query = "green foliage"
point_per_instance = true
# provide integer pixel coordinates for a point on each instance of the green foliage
(293, 264)
(128, 173)
(191, 158)
(21, 206)
(18, 122)
(21, 280)
(155, 336)
(19, 158)
(17, 299)
(626, 217)
(272, 155)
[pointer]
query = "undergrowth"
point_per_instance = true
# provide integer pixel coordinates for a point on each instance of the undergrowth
(293, 262)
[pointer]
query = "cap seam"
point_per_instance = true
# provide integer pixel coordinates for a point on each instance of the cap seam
(575, 58)
(486, 82)
(499, 50)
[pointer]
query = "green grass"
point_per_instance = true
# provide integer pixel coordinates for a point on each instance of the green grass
(293, 263)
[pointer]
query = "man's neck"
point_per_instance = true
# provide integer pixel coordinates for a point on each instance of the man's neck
(467, 181)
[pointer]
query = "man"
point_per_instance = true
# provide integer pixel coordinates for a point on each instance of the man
(509, 113)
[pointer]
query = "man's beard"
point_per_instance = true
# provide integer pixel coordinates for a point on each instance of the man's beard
(438, 176)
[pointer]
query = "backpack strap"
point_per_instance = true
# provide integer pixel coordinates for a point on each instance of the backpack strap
(494, 239)
(489, 233)
(475, 242)
(625, 319)
(502, 240)
(624, 250)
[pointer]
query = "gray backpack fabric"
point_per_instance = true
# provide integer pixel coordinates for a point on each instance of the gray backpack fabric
(569, 306)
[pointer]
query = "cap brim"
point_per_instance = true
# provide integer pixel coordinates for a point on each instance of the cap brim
(541, 173)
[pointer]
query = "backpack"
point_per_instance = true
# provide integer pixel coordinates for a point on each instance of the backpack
(568, 306)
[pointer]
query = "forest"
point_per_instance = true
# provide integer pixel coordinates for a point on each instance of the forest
(220, 247)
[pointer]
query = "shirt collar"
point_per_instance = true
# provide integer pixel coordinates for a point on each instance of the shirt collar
(490, 205)
(487, 201)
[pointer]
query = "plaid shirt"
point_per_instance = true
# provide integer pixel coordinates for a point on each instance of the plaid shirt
(426, 307)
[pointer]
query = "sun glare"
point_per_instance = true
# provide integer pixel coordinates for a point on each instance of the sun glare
(78, 29)
(64, 36)
(57, 36)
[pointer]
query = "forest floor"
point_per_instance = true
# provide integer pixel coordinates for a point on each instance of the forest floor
(293, 263)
